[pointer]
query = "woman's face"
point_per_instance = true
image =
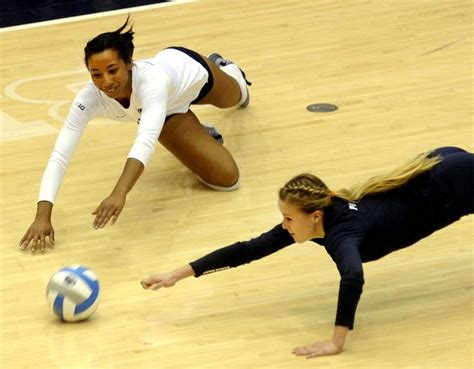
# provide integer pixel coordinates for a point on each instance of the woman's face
(301, 226)
(110, 74)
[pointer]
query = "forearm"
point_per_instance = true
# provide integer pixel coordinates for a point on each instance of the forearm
(349, 296)
(160, 280)
(244, 252)
(44, 209)
(183, 272)
(339, 336)
(66, 143)
(131, 172)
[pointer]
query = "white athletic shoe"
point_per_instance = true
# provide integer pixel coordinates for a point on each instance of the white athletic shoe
(214, 133)
(220, 61)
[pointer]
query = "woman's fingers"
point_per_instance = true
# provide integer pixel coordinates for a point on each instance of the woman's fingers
(51, 237)
(35, 236)
(25, 241)
(156, 286)
(27, 238)
(145, 282)
(42, 242)
(114, 217)
(317, 349)
(103, 215)
(153, 282)
(34, 244)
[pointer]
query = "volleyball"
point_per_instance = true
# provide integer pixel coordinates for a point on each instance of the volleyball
(73, 293)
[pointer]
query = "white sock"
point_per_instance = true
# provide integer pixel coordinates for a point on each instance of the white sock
(234, 71)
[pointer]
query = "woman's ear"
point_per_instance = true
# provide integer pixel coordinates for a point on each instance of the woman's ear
(318, 216)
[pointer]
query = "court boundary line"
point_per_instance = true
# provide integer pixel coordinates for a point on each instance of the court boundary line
(92, 16)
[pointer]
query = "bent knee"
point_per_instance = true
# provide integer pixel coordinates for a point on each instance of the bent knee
(234, 187)
(225, 182)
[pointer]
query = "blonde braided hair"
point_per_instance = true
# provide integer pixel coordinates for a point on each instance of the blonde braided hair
(309, 193)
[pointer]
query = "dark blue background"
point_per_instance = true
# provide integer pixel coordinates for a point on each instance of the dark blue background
(16, 12)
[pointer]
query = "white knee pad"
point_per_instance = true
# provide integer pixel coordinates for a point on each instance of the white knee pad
(234, 71)
(234, 187)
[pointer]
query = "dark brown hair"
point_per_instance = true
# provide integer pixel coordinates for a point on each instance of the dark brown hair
(122, 43)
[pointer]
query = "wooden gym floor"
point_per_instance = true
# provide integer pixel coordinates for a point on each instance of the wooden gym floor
(401, 74)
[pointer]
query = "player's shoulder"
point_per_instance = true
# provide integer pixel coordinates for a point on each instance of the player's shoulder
(144, 69)
(89, 91)
(342, 219)
(148, 75)
(89, 98)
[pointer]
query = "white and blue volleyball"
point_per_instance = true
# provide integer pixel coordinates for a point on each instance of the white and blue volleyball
(73, 293)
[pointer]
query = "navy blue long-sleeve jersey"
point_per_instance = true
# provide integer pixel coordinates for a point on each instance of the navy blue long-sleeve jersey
(374, 227)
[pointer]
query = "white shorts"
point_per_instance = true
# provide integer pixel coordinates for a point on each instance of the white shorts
(190, 74)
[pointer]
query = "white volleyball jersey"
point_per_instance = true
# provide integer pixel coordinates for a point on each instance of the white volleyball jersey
(161, 86)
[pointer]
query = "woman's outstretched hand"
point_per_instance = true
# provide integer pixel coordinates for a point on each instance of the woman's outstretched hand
(40, 229)
(37, 233)
(108, 209)
(112, 206)
(160, 280)
(157, 281)
(323, 348)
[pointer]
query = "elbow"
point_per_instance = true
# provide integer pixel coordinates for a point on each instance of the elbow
(149, 143)
(148, 139)
(354, 279)
(59, 159)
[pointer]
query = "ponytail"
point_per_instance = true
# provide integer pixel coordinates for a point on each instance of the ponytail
(309, 193)
(396, 178)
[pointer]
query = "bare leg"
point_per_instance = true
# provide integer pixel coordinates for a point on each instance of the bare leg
(185, 137)
(225, 92)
